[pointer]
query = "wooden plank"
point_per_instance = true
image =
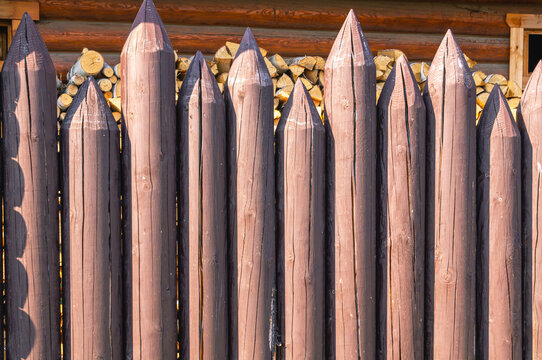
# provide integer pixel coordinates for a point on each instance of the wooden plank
(300, 153)
(528, 21)
(499, 232)
(530, 123)
(149, 127)
(517, 42)
(350, 98)
(249, 105)
(203, 272)
(451, 233)
(91, 245)
(401, 229)
(30, 190)
(14, 10)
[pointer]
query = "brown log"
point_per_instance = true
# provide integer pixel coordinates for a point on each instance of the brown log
(450, 99)
(249, 104)
(30, 191)
(499, 232)
(401, 215)
(351, 155)
(530, 123)
(300, 157)
(91, 247)
(149, 191)
(203, 273)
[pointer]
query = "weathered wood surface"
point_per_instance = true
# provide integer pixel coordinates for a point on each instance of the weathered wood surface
(300, 158)
(30, 188)
(148, 109)
(401, 215)
(249, 108)
(203, 272)
(91, 246)
(499, 232)
(350, 81)
(451, 225)
(530, 123)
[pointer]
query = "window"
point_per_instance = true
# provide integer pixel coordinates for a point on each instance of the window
(525, 45)
(534, 52)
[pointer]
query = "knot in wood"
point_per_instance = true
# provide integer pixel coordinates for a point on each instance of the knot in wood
(448, 277)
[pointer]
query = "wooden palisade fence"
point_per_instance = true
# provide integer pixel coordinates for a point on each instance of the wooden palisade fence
(395, 230)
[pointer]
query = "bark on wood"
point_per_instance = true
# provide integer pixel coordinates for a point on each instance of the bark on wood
(249, 104)
(450, 99)
(499, 232)
(148, 68)
(203, 273)
(401, 215)
(350, 104)
(30, 191)
(91, 247)
(300, 159)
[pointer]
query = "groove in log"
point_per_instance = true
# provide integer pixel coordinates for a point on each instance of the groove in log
(499, 232)
(149, 127)
(530, 123)
(401, 215)
(350, 98)
(91, 247)
(450, 99)
(30, 191)
(300, 158)
(249, 108)
(203, 273)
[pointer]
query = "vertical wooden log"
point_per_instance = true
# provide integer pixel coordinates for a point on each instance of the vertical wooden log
(350, 103)
(91, 248)
(203, 213)
(530, 123)
(401, 215)
(499, 232)
(30, 159)
(249, 107)
(450, 99)
(148, 108)
(300, 156)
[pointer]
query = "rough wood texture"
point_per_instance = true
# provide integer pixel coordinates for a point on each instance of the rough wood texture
(451, 225)
(401, 215)
(300, 158)
(30, 187)
(350, 91)
(91, 247)
(530, 123)
(249, 106)
(203, 215)
(148, 110)
(499, 232)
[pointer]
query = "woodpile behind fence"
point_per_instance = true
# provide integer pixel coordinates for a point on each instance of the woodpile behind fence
(376, 222)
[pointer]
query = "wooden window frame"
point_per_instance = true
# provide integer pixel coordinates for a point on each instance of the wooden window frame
(521, 25)
(11, 13)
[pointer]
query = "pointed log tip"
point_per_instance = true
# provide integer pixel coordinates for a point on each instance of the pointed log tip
(248, 43)
(89, 100)
(449, 59)
(534, 85)
(199, 70)
(401, 79)
(497, 115)
(249, 51)
(350, 40)
(148, 16)
(300, 98)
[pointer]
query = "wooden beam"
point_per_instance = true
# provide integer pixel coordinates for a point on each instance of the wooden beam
(516, 55)
(530, 21)
(16, 9)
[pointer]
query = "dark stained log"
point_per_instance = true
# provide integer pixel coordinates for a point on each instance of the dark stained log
(499, 232)
(451, 225)
(91, 247)
(401, 215)
(350, 81)
(203, 215)
(30, 190)
(249, 108)
(300, 158)
(149, 130)
(530, 124)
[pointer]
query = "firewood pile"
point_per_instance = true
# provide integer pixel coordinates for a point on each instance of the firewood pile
(284, 73)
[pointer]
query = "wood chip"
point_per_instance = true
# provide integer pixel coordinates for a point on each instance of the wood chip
(320, 63)
(279, 63)
(311, 75)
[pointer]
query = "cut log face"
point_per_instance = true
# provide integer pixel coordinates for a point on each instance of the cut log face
(203, 299)
(300, 155)
(30, 192)
(450, 98)
(249, 105)
(149, 129)
(499, 232)
(350, 104)
(401, 229)
(91, 244)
